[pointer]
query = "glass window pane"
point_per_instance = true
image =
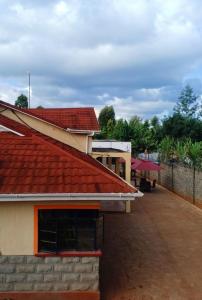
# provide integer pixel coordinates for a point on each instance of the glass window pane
(65, 230)
(47, 231)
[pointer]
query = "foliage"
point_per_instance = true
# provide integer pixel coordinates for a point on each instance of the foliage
(187, 105)
(106, 114)
(22, 101)
(107, 122)
(110, 129)
(121, 130)
(156, 131)
(169, 134)
(136, 134)
(180, 150)
(181, 127)
(183, 151)
(194, 153)
(144, 135)
(167, 149)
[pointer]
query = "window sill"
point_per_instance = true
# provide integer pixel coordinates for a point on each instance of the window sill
(70, 253)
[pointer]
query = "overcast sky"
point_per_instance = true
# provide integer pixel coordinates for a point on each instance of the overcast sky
(133, 54)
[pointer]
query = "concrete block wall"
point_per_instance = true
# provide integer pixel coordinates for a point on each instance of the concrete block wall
(180, 180)
(31, 273)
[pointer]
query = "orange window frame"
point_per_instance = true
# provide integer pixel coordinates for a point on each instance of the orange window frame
(69, 206)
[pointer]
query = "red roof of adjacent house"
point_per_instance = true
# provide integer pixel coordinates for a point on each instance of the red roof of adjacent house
(74, 118)
(83, 118)
(35, 163)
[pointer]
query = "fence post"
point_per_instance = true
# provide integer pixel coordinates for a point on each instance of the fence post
(172, 179)
(194, 185)
(159, 177)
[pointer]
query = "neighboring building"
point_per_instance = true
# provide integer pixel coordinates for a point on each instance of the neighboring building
(51, 192)
(71, 126)
(115, 155)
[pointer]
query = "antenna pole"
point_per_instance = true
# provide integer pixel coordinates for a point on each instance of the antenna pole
(29, 90)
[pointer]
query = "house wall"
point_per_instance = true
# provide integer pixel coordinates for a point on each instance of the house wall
(103, 144)
(17, 226)
(21, 270)
(31, 273)
(16, 229)
(90, 141)
(78, 141)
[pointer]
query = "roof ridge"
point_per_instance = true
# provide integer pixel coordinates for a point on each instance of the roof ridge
(62, 108)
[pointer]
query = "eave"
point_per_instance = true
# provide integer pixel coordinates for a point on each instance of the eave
(70, 197)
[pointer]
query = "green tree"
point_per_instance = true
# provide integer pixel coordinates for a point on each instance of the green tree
(194, 153)
(156, 130)
(106, 114)
(21, 101)
(167, 149)
(187, 105)
(154, 122)
(180, 127)
(144, 135)
(141, 135)
(110, 129)
(107, 122)
(121, 130)
(136, 134)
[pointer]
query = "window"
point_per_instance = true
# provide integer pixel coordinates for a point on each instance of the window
(62, 230)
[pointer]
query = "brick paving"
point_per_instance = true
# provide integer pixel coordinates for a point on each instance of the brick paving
(155, 252)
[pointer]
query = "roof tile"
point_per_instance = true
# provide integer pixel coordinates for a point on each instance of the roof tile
(35, 163)
(82, 118)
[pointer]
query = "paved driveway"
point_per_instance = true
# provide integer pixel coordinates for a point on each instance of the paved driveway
(155, 252)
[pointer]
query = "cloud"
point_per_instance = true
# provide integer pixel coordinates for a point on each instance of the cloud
(143, 103)
(77, 51)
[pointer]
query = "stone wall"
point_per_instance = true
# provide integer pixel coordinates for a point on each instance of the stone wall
(179, 179)
(30, 273)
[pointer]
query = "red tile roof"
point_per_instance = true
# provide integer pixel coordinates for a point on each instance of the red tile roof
(83, 118)
(18, 127)
(73, 118)
(36, 163)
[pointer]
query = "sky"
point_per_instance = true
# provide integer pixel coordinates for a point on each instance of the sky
(133, 54)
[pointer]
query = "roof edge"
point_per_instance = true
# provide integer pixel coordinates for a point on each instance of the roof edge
(70, 197)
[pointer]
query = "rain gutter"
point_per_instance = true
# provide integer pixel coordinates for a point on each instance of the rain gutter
(82, 131)
(70, 197)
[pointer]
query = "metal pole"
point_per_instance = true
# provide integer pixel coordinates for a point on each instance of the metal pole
(29, 90)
